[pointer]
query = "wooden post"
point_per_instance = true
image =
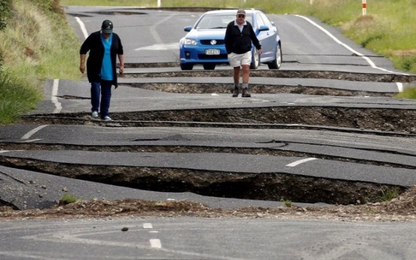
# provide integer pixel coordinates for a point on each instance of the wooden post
(364, 7)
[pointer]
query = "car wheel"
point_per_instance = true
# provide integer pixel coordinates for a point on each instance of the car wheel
(255, 59)
(187, 66)
(277, 63)
(209, 66)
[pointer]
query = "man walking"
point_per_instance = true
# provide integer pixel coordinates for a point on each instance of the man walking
(238, 38)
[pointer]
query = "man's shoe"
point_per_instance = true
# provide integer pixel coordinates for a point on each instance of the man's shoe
(236, 92)
(245, 93)
(94, 114)
(107, 118)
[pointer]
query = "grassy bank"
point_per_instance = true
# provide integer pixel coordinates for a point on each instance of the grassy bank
(36, 44)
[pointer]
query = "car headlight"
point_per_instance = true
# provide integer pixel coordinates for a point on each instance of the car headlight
(190, 42)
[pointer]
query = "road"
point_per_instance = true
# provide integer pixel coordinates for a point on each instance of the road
(193, 238)
(42, 156)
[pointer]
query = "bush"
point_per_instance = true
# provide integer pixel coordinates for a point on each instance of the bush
(4, 12)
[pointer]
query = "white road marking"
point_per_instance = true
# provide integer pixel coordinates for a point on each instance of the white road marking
(346, 46)
(32, 132)
(154, 31)
(54, 99)
(296, 163)
(25, 255)
(33, 140)
(159, 47)
(6, 151)
(72, 237)
(147, 225)
(155, 243)
(399, 86)
(83, 29)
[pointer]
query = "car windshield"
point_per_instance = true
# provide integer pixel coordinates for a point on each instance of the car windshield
(212, 21)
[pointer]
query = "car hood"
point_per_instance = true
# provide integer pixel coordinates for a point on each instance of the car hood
(206, 34)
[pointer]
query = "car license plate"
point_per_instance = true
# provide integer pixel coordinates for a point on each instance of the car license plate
(212, 52)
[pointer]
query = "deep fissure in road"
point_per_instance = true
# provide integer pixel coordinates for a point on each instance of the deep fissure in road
(221, 88)
(276, 186)
(373, 120)
(273, 186)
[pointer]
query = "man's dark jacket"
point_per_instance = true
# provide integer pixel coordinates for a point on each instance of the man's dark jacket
(240, 42)
(94, 45)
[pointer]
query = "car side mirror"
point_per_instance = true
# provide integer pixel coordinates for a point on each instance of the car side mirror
(263, 28)
(187, 28)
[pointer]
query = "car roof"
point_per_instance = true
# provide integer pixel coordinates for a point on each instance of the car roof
(230, 11)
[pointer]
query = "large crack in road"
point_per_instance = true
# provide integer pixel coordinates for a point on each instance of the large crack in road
(273, 186)
(382, 121)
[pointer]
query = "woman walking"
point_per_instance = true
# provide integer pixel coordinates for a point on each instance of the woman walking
(103, 46)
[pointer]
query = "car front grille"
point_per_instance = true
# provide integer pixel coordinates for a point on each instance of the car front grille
(208, 42)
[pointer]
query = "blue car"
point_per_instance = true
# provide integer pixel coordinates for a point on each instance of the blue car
(204, 43)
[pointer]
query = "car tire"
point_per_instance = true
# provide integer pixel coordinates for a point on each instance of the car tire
(255, 59)
(277, 63)
(186, 66)
(209, 66)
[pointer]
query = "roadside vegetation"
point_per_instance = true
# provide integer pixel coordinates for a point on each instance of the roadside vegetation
(37, 43)
(68, 199)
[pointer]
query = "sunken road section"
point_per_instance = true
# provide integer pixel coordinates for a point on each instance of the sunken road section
(299, 74)
(374, 120)
(272, 186)
(276, 186)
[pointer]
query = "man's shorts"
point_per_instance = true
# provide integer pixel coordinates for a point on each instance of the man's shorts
(236, 60)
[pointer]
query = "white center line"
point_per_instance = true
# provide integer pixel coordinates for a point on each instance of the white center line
(296, 163)
(32, 132)
(155, 243)
(147, 225)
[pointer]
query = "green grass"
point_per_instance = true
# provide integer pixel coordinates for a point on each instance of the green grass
(286, 202)
(389, 193)
(68, 199)
(409, 92)
(37, 44)
(16, 97)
